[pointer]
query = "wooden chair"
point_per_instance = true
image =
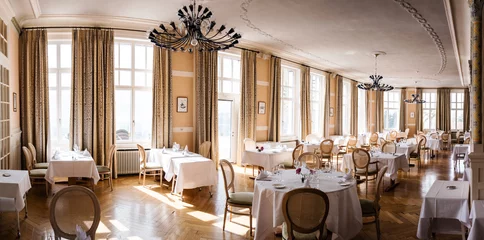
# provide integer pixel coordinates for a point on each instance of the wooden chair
(461, 139)
(37, 176)
(305, 212)
(326, 149)
(434, 136)
(417, 154)
(445, 140)
(361, 162)
(235, 199)
(351, 145)
(204, 149)
(392, 136)
(407, 130)
(148, 168)
(374, 140)
(457, 138)
(382, 141)
(308, 157)
(73, 206)
(35, 164)
(106, 170)
(312, 138)
(249, 144)
(298, 150)
(371, 208)
(389, 147)
(467, 141)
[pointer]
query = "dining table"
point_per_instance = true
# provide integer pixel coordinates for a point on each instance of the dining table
(476, 231)
(406, 148)
(268, 158)
(312, 146)
(461, 149)
(72, 165)
(344, 204)
(14, 185)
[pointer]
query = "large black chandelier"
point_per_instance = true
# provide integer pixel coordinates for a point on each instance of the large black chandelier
(415, 97)
(375, 84)
(194, 32)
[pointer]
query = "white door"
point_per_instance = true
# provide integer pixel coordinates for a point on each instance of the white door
(227, 130)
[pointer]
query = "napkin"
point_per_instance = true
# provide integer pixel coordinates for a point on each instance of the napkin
(76, 148)
(81, 234)
(163, 150)
(262, 175)
(307, 184)
(56, 155)
(186, 148)
(349, 175)
(86, 153)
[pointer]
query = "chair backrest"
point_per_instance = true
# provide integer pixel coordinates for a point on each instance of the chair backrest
(445, 137)
(298, 150)
(326, 146)
(389, 147)
(111, 155)
(467, 141)
(307, 157)
(305, 211)
(457, 135)
(71, 206)
(142, 156)
(421, 144)
(28, 158)
(34, 152)
(382, 141)
(420, 132)
(407, 130)
(361, 159)
(374, 138)
(228, 175)
(434, 136)
(381, 173)
(205, 149)
(393, 135)
(352, 140)
(249, 144)
(312, 138)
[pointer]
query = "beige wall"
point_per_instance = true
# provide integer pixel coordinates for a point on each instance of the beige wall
(263, 93)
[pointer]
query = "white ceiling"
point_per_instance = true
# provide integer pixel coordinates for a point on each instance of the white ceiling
(335, 35)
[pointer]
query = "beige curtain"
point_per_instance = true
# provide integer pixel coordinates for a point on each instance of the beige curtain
(403, 109)
(248, 100)
(275, 100)
(338, 112)
(369, 110)
(443, 109)
(34, 92)
(206, 100)
(354, 108)
(305, 102)
(379, 111)
(92, 93)
(419, 113)
(466, 110)
(162, 130)
(327, 104)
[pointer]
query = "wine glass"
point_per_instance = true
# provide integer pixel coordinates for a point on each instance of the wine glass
(280, 168)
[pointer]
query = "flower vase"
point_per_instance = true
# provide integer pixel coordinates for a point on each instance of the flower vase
(302, 179)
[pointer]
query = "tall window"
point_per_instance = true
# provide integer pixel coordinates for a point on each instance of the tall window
(346, 107)
(361, 111)
(391, 110)
(429, 119)
(457, 110)
(290, 102)
(228, 73)
(59, 63)
(317, 88)
(133, 79)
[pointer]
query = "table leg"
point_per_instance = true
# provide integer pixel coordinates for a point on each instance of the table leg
(26, 210)
(463, 231)
(393, 184)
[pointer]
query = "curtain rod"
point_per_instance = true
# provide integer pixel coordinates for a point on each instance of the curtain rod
(304, 65)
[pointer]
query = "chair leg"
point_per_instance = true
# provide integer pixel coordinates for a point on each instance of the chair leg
(26, 210)
(377, 223)
(139, 178)
(111, 181)
(144, 178)
(225, 217)
(18, 225)
(46, 188)
(231, 209)
(250, 222)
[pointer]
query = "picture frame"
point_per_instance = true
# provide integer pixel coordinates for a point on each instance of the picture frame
(14, 102)
(182, 104)
(331, 112)
(262, 107)
(412, 115)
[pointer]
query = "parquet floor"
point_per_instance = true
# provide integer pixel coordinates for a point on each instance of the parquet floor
(132, 211)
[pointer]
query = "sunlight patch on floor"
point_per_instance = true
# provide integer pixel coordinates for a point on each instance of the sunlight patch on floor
(175, 204)
(117, 224)
(206, 217)
(232, 227)
(101, 228)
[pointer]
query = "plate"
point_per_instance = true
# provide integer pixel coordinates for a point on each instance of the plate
(451, 187)
(6, 175)
(344, 184)
(278, 186)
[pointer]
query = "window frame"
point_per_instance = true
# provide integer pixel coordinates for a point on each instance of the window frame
(346, 108)
(320, 101)
(296, 98)
(221, 78)
(428, 102)
(387, 102)
(456, 109)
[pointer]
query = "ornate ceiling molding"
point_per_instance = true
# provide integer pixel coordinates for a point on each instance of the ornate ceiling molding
(430, 30)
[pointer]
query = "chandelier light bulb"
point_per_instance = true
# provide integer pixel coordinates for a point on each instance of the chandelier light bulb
(194, 42)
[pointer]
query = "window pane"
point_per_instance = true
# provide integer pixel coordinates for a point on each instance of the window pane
(53, 116)
(139, 79)
(287, 118)
(149, 79)
(125, 55)
(52, 79)
(287, 92)
(116, 77)
(227, 86)
(236, 86)
(52, 55)
(65, 55)
(227, 65)
(116, 55)
(140, 57)
(149, 60)
(123, 114)
(125, 78)
(66, 79)
(65, 118)
(236, 69)
(143, 115)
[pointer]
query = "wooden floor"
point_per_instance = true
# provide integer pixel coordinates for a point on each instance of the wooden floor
(132, 211)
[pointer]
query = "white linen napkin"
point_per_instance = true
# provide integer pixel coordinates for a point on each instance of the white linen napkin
(81, 234)
(56, 155)
(163, 150)
(186, 148)
(86, 153)
(262, 175)
(307, 183)
(349, 175)
(76, 148)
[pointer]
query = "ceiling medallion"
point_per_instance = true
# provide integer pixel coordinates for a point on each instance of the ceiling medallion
(415, 97)
(375, 84)
(194, 32)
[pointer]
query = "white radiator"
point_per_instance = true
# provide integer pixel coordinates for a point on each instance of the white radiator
(128, 161)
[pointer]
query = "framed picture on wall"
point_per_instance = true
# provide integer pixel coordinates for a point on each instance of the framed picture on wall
(182, 104)
(262, 107)
(331, 112)
(14, 102)
(412, 115)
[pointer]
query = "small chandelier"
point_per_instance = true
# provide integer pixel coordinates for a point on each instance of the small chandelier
(415, 97)
(375, 84)
(195, 31)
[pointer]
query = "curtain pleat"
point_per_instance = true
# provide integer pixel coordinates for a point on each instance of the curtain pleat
(354, 108)
(305, 102)
(443, 109)
(419, 113)
(466, 109)
(379, 124)
(162, 130)
(206, 88)
(338, 115)
(92, 93)
(34, 93)
(248, 100)
(275, 100)
(327, 104)
(369, 110)
(403, 110)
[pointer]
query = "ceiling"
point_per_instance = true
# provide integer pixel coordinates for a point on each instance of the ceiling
(335, 35)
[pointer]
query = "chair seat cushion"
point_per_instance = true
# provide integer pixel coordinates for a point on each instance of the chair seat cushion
(324, 155)
(152, 165)
(313, 235)
(102, 169)
(38, 172)
(363, 171)
(367, 207)
(41, 165)
(242, 198)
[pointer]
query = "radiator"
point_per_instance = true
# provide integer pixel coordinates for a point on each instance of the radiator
(128, 161)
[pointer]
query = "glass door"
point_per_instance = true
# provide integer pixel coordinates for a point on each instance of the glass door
(227, 130)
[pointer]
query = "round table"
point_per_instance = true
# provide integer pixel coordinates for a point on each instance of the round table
(344, 218)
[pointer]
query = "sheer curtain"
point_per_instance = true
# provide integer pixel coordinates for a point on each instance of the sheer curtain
(327, 104)
(34, 94)
(466, 110)
(403, 109)
(305, 102)
(354, 108)
(379, 123)
(162, 131)
(92, 109)
(338, 115)
(275, 100)
(443, 109)
(419, 113)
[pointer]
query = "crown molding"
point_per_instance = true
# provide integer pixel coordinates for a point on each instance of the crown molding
(450, 21)
(46, 20)
(7, 9)
(35, 5)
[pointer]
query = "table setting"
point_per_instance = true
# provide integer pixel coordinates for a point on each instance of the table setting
(72, 164)
(14, 184)
(267, 157)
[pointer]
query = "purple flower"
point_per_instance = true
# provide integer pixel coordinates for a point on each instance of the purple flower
(298, 171)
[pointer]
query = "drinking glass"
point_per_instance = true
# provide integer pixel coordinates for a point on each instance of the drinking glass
(280, 168)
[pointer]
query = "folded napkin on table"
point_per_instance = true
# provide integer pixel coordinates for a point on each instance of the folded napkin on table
(163, 150)
(349, 175)
(262, 175)
(86, 153)
(81, 234)
(56, 155)
(75, 148)
(307, 184)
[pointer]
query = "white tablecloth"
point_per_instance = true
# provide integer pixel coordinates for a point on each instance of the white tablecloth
(477, 217)
(164, 158)
(406, 148)
(467, 175)
(461, 149)
(15, 186)
(344, 205)
(193, 172)
(394, 163)
(443, 209)
(310, 147)
(433, 144)
(267, 159)
(71, 164)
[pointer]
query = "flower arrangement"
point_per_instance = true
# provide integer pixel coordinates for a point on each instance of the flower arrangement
(259, 149)
(304, 172)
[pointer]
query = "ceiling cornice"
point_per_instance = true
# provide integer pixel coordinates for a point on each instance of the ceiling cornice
(450, 20)
(35, 5)
(5, 4)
